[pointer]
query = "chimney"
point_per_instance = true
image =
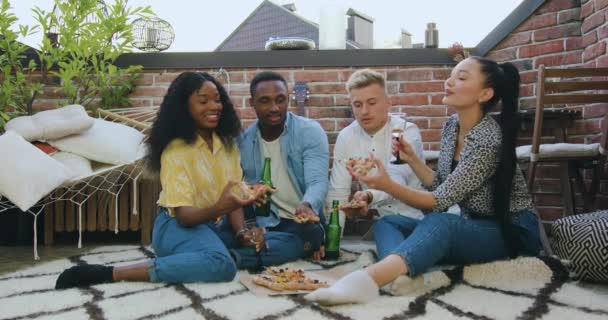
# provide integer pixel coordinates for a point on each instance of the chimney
(360, 29)
(406, 39)
(290, 6)
(431, 36)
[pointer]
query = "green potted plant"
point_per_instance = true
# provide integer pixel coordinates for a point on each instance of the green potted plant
(90, 36)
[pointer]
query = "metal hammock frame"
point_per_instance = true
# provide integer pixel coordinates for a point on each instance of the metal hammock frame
(108, 178)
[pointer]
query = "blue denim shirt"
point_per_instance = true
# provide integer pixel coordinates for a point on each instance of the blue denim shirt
(305, 151)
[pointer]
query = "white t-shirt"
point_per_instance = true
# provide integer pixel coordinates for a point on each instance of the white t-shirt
(286, 198)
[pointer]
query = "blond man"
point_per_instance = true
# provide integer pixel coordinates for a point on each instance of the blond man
(370, 133)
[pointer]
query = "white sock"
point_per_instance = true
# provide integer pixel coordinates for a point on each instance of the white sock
(356, 287)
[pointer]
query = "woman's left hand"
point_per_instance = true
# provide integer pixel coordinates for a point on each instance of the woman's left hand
(379, 181)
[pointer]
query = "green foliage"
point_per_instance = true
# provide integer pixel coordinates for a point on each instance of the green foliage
(18, 89)
(90, 40)
(117, 95)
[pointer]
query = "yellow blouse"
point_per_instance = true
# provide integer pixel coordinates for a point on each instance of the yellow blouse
(193, 175)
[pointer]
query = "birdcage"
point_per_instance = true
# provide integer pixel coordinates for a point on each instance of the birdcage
(152, 34)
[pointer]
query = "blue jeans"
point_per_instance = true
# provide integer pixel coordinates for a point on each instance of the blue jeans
(443, 238)
(193, 254)
(287, 241)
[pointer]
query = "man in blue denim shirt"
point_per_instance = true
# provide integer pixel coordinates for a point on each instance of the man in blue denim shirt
(299, 153)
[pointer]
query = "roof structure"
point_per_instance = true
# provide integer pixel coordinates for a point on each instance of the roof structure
(270, 20)
(273, 20)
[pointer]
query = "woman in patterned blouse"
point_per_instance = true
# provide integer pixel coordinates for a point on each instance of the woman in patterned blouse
(191, 146)
(477, 170)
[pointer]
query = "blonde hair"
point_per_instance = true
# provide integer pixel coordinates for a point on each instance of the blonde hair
(363, 78)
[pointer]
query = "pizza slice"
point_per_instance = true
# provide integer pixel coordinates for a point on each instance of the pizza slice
(305, 218)
(360, 166)
(286, 279)
(243, 190)
(353, 204)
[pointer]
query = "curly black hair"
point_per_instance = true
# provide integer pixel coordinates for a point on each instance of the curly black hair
(174, 121)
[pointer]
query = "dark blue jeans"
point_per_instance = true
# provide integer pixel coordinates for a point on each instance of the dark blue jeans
(193, 254)
(443, 238)
(287, 241)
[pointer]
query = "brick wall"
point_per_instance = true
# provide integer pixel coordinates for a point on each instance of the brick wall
(561, 33)
(416, 91)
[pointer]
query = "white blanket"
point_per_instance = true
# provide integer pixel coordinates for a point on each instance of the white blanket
(525, 287)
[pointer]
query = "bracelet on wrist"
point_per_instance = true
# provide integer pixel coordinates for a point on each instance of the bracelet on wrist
(241, 232)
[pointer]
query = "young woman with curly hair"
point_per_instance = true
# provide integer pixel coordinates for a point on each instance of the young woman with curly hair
(191, 146)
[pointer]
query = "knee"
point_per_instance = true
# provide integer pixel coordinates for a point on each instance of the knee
(221, 266)
(290, 246)
(315, 233)
(386, 222)
(440, 221)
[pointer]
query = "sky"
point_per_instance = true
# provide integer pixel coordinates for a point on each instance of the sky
(201, 25)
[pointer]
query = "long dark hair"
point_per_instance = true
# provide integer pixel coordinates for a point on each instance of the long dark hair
(174, 120)
(504, 79)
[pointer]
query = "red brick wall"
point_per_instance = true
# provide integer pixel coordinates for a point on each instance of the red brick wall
(561, 33)
(416, 91)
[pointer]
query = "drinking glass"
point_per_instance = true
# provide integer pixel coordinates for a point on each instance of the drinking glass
(396, 132)
(251, 224)
(256, 238)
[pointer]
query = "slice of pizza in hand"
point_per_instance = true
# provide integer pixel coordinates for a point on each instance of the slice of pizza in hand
(242, 190)
(305, 218)
(360, 166)
(265, 188)
(263, 191)
(285, 279)
(353, 204)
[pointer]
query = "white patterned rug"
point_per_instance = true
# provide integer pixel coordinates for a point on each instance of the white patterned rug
(525, 288)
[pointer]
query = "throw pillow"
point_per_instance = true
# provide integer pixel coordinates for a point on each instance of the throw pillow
(52, 124)
(78, 166)
(26, 173)
(105, 141)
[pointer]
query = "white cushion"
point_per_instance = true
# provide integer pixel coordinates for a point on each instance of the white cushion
(26, 173)
(52, 124)
(558, 150)
(78, 166)
(25, 127)
(105, 141)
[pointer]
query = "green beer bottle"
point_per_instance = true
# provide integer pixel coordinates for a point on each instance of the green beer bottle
(264, 210)
(332, 233)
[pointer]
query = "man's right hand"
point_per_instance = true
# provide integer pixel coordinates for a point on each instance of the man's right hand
(358, 212)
